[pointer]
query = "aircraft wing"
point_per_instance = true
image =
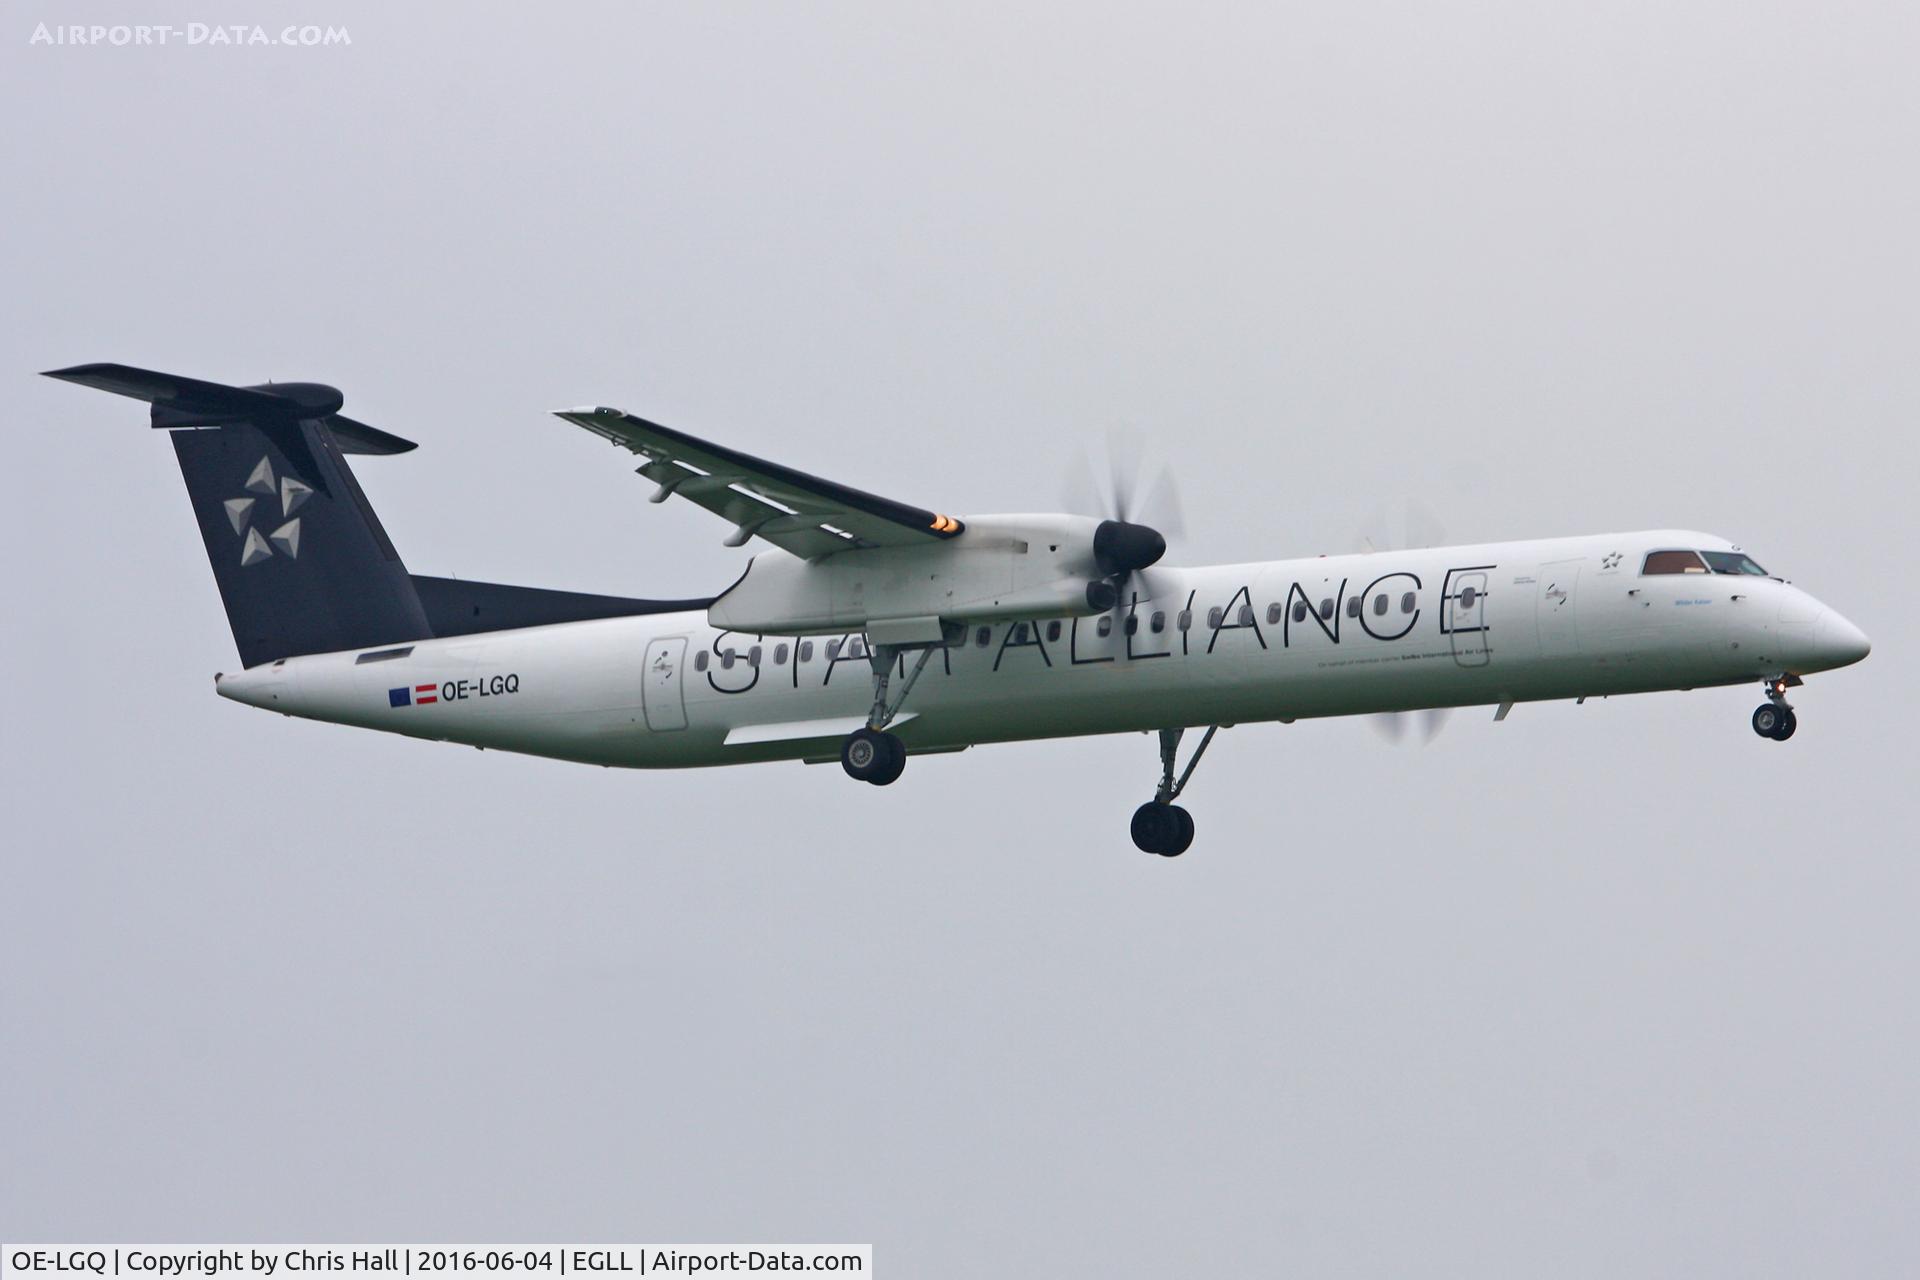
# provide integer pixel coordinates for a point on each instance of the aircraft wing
(796, 512)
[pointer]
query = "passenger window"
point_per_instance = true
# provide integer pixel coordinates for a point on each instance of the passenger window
(1246, 615)
(983, 637)
(1326, 609)
(1053, 631)
(1299, 610)
(726, 659)
(806, 651)
(1467, 596)
(1159, 622)
(1406, 603)
(1133, 625)
(1353, 606)
(1215, 616)
(753, 656)
(1185, 621)
(833, 649)
(1019, 633)
(1106, 624)
(1659, 562)
(1273, 614)
(856, 648)
(780, 655)
(1380, 605)
(700, 660)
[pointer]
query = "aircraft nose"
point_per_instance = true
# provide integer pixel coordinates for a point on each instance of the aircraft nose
(1838, 642)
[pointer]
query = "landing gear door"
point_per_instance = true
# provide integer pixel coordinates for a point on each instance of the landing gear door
(1463, 615)
(663, 691)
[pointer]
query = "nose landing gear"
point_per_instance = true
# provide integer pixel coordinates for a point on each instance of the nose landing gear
(1161, 826)
(1774, 718)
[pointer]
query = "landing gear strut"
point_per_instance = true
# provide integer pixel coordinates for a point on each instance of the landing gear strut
(1774, 718)
(871, 754)
(1161, 826)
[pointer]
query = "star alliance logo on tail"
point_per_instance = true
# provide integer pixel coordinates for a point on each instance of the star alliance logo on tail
(292, 492)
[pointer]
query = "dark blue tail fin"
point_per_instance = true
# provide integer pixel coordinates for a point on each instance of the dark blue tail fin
(302, 562)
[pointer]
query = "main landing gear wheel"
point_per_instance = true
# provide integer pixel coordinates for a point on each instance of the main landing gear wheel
(1772, 720)
(869, 755)
(1161, 826)
(1165, 829)
(896, 762)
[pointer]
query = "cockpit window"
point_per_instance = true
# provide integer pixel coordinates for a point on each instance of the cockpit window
(1672, 562)
(1733, 562)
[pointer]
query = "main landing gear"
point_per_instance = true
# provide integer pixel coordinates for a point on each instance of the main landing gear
(1774, 718)
(871, 754)
(1161, 826)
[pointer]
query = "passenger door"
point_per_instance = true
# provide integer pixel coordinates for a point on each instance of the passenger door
(663, 689)
(1463, 616)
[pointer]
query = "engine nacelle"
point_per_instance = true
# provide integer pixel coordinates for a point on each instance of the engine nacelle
(1002, 567)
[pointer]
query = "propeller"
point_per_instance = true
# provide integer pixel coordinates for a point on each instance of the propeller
(1419, 527)
(1392, 725)
(1125, 544)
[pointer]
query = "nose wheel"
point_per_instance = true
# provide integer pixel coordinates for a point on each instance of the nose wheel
(1774, 722)
(1774, 718)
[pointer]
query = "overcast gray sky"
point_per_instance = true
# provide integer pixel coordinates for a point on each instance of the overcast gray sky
(1615, 989)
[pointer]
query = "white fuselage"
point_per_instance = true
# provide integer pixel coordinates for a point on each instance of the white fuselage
(1334, 635)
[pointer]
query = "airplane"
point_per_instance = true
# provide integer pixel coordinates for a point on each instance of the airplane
(867, 629)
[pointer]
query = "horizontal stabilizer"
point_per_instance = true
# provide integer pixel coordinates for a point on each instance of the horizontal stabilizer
(358, 437)
(189, 402)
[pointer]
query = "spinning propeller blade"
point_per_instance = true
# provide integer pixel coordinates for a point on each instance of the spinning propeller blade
(1140, 519)
(1392, 725)
(1418, 527)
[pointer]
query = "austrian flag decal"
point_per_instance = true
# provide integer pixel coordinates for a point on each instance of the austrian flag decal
(418, 696)
(451, 691)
